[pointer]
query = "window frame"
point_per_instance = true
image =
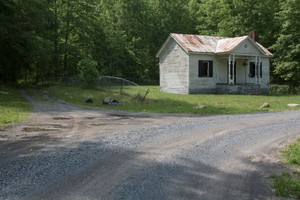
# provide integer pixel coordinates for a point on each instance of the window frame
(255, 69)
(205, 73)
(252, 69)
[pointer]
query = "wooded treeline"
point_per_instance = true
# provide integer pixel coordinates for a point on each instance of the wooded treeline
(48, 38)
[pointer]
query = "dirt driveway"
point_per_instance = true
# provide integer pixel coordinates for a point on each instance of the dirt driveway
(70, 152)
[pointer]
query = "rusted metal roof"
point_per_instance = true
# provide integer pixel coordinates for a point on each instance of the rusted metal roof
(197, 43)
(267, 52)
(228, 44)
(211, 44)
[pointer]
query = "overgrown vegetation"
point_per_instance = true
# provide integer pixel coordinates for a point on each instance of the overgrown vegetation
(288, 184)
(13, 107)
(284, 90)
(88, 73)
(292, 154)
(130, 97)
(48, 38)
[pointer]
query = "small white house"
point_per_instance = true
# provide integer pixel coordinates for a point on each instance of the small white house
(192, 64)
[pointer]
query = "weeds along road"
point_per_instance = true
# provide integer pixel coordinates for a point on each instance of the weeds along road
(69, 152)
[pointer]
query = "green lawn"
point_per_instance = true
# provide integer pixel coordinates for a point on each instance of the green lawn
(288, 184)
(13, 107)
(173, 103)
(292, 154)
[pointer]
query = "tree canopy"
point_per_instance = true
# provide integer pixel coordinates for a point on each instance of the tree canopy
(49, 38)
(287, 46)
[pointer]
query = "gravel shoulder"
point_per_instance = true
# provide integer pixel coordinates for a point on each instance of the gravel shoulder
(69, 152)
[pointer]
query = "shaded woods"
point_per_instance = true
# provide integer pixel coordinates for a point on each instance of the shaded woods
(48, 38)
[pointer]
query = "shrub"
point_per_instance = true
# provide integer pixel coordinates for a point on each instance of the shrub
(88, 73)
(292, 153)
(284, 89)
(286, 185)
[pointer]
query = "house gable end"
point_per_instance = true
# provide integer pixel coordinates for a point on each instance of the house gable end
(249, 47)
(167, 43)
(161, 49)
(168, 48)
(174, 68)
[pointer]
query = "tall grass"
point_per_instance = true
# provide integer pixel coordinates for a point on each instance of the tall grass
(13, 107)
(292, 154)
(287, 184)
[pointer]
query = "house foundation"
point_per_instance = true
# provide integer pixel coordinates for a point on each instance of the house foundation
(240, 89)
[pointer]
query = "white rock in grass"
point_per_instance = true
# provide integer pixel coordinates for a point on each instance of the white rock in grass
(199, 107)
(265, 105)
(293, 105)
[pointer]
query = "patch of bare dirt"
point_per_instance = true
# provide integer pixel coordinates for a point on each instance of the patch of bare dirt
(68, 123)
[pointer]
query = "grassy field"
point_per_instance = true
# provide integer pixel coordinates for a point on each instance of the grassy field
(130, 97)
(288, 184)
(292, 154)
(13, 107)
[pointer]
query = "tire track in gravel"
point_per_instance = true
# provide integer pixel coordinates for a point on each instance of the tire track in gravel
(189, 162)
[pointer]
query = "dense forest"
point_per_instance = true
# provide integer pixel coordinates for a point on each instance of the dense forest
(48, 38)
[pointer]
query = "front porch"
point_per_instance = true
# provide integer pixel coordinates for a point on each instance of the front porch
(239, 89)
(240, 74)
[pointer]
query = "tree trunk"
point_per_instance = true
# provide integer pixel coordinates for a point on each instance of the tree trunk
(56, 39)
(67, 38)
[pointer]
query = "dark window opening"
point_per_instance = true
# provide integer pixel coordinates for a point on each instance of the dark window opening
(205, 68)
(253, 69)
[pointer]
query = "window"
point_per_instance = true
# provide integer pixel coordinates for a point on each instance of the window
(253, 69)
(205, 68)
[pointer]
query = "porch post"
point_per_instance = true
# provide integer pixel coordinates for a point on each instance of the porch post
(257, 70)
(233, 70)
(229, 69)
(231, 60)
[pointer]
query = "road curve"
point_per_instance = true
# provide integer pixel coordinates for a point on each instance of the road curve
(146, 157)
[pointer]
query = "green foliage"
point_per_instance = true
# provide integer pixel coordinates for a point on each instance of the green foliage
(284, 90)
(88, 73)
(235, 18)
(292, 153)
(287, 45)
(47, 38)
(13, 107)
(24, 42)
(286, 185)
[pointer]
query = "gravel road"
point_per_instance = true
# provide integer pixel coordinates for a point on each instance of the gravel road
(69, 152)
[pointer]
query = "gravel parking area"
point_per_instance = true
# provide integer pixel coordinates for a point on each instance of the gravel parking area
(69, 152)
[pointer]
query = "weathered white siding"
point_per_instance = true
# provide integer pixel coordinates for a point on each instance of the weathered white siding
(240, 72)
(264, 80)
(222, 71)
(174, 69)
(247, 48)
(202, 84)
(179, 70)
